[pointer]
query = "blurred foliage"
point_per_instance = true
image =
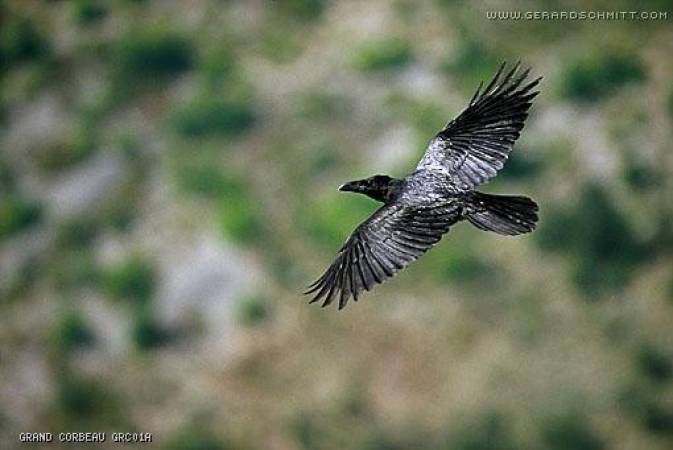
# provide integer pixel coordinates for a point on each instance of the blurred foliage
(87, 12)
(320, 105)
(487, 433)
(7, 178)
(655, 364)
(386, 54)
(280, 44)
(306, 432)
(253, 311)
(145, 57)
(659, 419)
(306, 10)
(85, 401)
(520, 167)
(73, 148)
(17, 213)
(597, 237)
(72, 332)
(152, 53)
(132, 280)
(642, 403)
(459, 262)
(147, 333)
(473, 63)
(641, 176)
(22, 282)
(570, 431)
(427, 118)
(205, 178)
(73, 269)
(196, 438)
(332, 219)
(20, 41)
(238, 215)
(591, 78)
(212, 116)
(218, 63)
(118, 211)
(76, 234)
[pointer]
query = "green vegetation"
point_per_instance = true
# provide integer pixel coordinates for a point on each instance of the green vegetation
(151, 54)
(61, 155)
(659, 419)
(459, 263)
(427, 118)
(205, 178)
(76, 234)
(7, 177)
(641, 176)
(649, 411)
(655, 364)
(147, 334)
(17, 213)
(304, 10)
(489, 432)
(473, 62)
(87, 12)
(520, 167)
(132, 280)
(208, 115)
(306, 432)
(591, 79)
(236, 211)
(74, 147)
(22, 283)
(570, 431)
(253, 311)
(20, 41)
(238, 215)
(385, 54)
(280, 44)
(196, 438)
(218, 63)
(72, 332)
(119, 211)
(322, 158)
(599, 239)
(82, 400)
(73, 268)
(332, 219)
(320, 105)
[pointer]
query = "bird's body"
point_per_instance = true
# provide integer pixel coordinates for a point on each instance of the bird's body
(420, 208)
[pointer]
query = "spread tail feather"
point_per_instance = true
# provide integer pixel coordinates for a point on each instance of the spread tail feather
(502, 214)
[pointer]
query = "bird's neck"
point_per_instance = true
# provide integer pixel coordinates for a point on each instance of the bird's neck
(387, 193)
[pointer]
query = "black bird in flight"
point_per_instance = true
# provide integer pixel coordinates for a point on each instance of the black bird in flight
(418, 209)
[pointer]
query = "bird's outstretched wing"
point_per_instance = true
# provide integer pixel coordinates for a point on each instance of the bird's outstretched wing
(388, 241)
(475, 145)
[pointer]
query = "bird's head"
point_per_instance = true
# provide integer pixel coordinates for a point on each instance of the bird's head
(377, 187)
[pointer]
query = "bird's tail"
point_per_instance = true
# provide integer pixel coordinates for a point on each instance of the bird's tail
(502, 214)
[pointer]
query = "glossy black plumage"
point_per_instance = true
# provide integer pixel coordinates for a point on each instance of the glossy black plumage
(419, 209)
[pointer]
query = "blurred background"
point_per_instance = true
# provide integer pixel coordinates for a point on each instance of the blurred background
(168, 187)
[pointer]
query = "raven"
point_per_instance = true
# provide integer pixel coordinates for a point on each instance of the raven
(420, 208)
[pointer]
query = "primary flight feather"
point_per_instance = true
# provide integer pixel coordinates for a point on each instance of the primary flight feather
(420, 208)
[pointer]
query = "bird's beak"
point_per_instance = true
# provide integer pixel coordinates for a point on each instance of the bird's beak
(349, 187)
